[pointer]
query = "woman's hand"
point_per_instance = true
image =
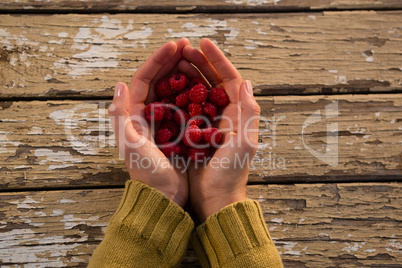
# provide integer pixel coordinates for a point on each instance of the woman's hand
(145, 162)
(223, 180)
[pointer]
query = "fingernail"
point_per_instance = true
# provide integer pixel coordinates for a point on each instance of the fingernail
(249, 87)
(119, 90)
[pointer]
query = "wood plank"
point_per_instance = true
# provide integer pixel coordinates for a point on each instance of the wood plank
(63, 56)
(70, 143)
(194, 6)
(313, 225)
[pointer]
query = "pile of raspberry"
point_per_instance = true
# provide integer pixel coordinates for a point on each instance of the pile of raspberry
(184, 112)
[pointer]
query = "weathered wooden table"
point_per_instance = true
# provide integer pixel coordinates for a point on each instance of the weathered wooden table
(328, 75)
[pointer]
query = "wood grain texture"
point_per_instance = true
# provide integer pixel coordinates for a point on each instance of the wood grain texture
(71, 143)
(313, 225)
(193, 6)
(63, 56)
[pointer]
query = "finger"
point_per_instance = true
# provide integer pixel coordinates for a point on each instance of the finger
(139, 86)
(171, 64)
(197, 58)
(119, 106)
(169, 67)
(188, 69)
(250, 116)
(120, 117)
(222, 65)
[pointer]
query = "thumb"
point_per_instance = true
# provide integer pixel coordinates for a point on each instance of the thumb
(250, 115)
(121, 120)
(119, 106)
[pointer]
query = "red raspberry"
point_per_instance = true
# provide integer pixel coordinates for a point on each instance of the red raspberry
(171, 126)
(154, 112)
(218, 96)
(194, 109)
(210, 109)
(198, 93)
(196, 81)
(212, 136)
(167, 100)
(170, 149)
(182, 99)
(163, 135)
(181, 117)
(192, 135)
(178, 82)
(197, 154)
(163, 89)
(195, 121)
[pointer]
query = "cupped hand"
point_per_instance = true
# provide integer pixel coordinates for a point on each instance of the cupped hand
(223, 180)
(145, 162)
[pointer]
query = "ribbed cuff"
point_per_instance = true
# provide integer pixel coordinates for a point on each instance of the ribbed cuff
(236, 237)
(147, 229)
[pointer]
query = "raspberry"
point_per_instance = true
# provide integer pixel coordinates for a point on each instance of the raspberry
(178, 82)
(181, 117)
(218, 96)
(154, 112)
(210, 109)
(194, 109)
(171, 126)
(197, 154)
(212, 136)
(192, 135)
(182, 99)
(170, 149)
(163, 135)
(198, 93)
(163, 89)
(195, 121)
(196, 81)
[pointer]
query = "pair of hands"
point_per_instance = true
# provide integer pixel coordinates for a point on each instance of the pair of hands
(223, 180)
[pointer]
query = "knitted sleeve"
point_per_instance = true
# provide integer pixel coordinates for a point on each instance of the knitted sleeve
(147, 230)
(236, 237)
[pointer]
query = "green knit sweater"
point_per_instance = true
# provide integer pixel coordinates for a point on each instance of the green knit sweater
(150, 230)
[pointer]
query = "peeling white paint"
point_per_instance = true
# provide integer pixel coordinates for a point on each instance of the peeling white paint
(66, 201)
(57, 212)
(369, 58)
(5, 143)
(100, 44)
(195, 30)
(394, 246)
(62, 34)
(288, 247)
(28, 203)
(35, 130)
(352, 247)
(277, 220)
(340, 79)
(63, 157)
(21, 167)
(252, 2)
(70, 221)
(86, 118)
